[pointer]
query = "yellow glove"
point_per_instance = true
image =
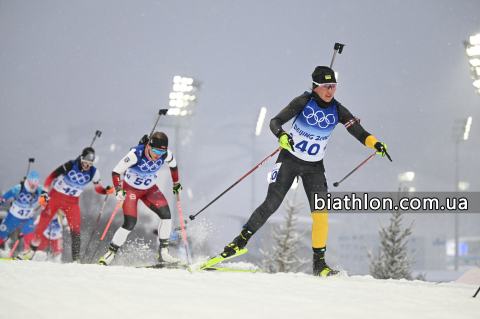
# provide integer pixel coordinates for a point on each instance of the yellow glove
(286, 141)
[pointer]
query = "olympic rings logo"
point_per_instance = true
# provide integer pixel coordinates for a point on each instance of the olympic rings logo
(78, 177)
(318, 117)
(152, 168)
(25, 198)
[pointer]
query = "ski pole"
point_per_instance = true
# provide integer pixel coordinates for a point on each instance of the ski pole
(160, 113)
(337, 47)
(97, 133)
(476, 292)
(183, 227)
(95, 227)
(106, 228)
(192, 217)
(111, 218)
(15, 246)
(371, 156)
(49, 237)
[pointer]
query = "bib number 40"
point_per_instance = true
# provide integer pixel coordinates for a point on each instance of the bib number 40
(311, 149)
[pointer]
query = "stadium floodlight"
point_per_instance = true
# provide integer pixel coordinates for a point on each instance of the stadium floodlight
(472, 50)
(261, 119)
(475, 39)
(475, 62)
(463, 186)
(182, 96)
(407, 176)
(467, 128)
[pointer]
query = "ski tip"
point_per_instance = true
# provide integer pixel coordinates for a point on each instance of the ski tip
(197, 267)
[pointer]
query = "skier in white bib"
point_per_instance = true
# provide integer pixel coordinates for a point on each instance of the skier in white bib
(141, 166)
(316, 114)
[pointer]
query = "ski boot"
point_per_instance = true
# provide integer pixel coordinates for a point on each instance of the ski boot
(28, 255)
(320, 267)
(110, 255)
(237, 244)
(163, 253)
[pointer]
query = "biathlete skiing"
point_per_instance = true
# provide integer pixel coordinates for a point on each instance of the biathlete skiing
(26, 195)
(72, 177)
(316, 114)
(53, 237)
(141, 166)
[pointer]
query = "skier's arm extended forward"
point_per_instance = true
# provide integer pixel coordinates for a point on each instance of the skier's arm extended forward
(62, 169)
(352, 124)
(13, 192)
(129, 160)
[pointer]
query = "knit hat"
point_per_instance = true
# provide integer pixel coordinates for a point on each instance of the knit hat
(323, 74)
(88, 154)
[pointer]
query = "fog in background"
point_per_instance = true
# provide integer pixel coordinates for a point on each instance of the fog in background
(69, 69)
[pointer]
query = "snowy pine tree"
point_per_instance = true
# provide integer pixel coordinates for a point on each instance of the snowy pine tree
(284, 256)
(392, 260)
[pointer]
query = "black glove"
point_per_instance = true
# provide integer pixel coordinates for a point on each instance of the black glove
(177, 188)
(382, 149)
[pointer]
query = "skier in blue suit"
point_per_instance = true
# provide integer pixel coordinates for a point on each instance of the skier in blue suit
(25, 195)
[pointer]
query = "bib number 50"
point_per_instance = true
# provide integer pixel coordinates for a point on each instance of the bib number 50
(140, 181)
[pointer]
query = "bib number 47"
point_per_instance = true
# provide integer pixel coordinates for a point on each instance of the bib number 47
(311, 149)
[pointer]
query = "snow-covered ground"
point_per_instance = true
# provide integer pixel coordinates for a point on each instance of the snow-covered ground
(30, 289)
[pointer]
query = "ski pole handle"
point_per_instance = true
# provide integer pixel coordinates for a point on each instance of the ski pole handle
(110, 221)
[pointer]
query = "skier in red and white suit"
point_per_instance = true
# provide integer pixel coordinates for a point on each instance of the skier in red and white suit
(141, 166)
(72, 176)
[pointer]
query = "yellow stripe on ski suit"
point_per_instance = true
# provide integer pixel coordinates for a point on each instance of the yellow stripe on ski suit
(370, 141)
(319, 228)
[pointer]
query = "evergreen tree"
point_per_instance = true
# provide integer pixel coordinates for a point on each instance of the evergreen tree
(283, 257)
(392, 260)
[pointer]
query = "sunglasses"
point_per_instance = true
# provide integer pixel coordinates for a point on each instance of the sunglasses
(326, 86)
(158, 152)
(87, 163)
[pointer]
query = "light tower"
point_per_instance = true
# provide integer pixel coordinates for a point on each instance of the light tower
(472, 50)
(460, 132)
(182, 100)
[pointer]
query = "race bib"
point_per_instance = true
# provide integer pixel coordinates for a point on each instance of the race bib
(21, 212)
(273, 176)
